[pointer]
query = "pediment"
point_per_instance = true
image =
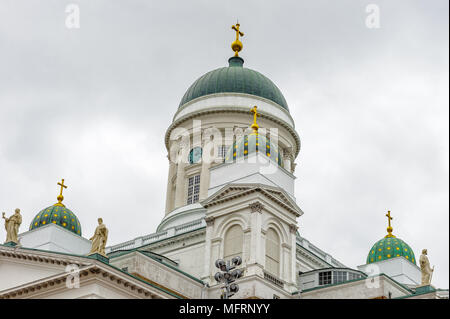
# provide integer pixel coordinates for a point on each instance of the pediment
(281, 197)
(233, 191)
(16, 272)
(230, 192)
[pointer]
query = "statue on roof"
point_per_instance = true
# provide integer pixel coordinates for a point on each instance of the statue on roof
(99, 239)
(12, 225)
(427, 271)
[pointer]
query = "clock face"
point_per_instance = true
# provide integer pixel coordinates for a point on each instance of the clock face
(195, 155)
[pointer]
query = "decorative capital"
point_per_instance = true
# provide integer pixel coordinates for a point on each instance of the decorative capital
(209, 221)
(256, 207)
(293, 165)
(293, 228)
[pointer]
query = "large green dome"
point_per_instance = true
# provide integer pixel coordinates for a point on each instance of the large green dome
(235, 79)
(58, 215)
(390, 247)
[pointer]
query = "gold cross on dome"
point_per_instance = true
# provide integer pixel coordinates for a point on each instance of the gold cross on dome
(62, 186)
(238, 32)
(388, 215)
(60, 196)
(389, 229)
(237, 45)
(255, 125)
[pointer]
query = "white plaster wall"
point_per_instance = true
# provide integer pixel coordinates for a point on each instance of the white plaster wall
(17, 272)
(55, 238)
(361, 289)
(189, 258)
(256, 169)
(159, 273)
(308, 281)
(398, 268)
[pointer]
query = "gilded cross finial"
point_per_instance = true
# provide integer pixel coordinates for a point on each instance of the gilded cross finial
(237, 45)
(389, 229)
(60, 196)
(255, 125)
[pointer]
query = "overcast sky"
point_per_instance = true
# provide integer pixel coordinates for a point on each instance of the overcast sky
(91, 105)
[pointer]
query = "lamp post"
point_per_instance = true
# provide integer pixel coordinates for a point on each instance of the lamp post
(228, 275)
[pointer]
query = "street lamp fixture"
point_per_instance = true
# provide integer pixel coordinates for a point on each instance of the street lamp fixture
(228, 275)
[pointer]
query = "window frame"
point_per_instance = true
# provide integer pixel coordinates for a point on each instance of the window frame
(271, 259)
(325, 278)
(193, 189)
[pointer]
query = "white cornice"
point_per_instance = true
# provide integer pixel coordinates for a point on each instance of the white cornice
(228, 109)
(87, 266)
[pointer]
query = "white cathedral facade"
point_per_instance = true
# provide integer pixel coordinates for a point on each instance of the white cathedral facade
(230, 192)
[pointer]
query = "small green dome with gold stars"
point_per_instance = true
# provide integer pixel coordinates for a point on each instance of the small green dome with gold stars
(390, 247)
(58, 215)
(252, 143)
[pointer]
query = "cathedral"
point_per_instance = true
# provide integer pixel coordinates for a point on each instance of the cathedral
(230, 205)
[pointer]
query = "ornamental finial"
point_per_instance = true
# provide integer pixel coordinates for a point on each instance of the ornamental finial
(60, 196)
(237, 45)
(389, 229)
(255, 125)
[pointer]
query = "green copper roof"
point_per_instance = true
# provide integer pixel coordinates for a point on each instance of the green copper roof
(58, 215)
(253, 143)
(390, 247)
(235, 79)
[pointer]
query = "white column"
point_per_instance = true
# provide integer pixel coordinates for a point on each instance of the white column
(287, 160)
(180, 190)
(293, 232)
(208, 237)
(169, 195)
(204, 180)
(256, 245)
(215, 254)
(286, 262)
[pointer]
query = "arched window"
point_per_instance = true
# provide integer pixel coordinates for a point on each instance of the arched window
(272, 252)
(233, 243)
